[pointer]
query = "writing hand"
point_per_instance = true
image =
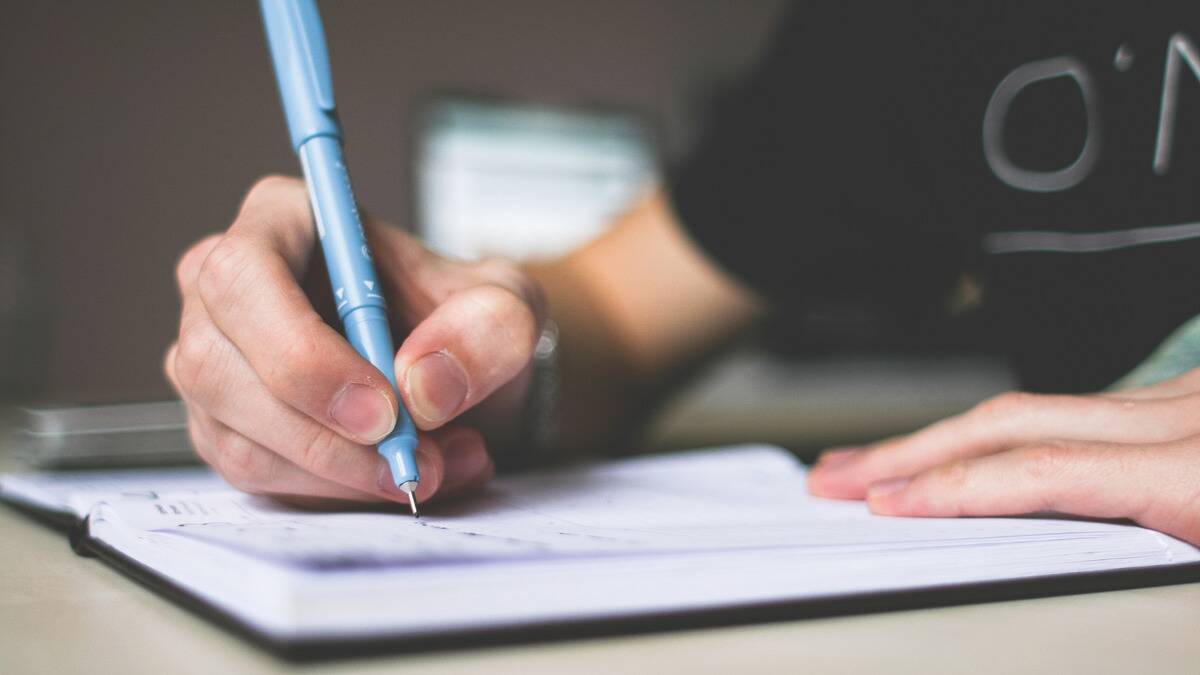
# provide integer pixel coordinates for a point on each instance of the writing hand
(279, 403)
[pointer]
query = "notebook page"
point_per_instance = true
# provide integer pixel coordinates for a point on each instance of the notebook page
(634, 536)
(75, 492)
(742, 498)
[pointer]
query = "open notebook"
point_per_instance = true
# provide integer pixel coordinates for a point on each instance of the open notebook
(643, 542)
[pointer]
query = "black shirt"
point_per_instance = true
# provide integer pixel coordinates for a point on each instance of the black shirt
(880, 151)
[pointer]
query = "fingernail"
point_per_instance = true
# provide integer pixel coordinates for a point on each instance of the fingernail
(436, 386)
(887, 487)
(831, 459)
(465, 460)
(364, 412)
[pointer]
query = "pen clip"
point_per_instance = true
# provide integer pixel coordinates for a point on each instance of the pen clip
(313, 53)
(297, 45)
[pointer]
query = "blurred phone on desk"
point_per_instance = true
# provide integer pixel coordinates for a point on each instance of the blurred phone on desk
(100, 436)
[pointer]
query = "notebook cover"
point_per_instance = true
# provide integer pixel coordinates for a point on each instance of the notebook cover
(62, 521)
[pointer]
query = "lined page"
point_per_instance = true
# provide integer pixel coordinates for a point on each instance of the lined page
(734, 499)
(667, 533)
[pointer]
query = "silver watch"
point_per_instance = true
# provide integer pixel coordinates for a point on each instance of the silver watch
(538, 434)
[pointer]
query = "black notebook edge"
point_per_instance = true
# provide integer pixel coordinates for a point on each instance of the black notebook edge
(322, 649)
(62, 521)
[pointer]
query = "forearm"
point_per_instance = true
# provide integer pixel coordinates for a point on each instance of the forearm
(597, 382)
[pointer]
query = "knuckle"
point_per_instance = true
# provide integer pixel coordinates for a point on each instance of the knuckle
(319, 455)
(1005, 405)
(299, 364)
(242, 463)
(268, 187)
(194, 358)
(953, 475)
(224, 272)
(203, 451)
(276, 200)
(168, 364)
(508, 315)
(188, 267)
(1045, 460)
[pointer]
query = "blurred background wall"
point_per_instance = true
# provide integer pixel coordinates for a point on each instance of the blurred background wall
(130, 129)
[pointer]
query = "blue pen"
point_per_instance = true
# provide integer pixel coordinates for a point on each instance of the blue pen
(301, 60)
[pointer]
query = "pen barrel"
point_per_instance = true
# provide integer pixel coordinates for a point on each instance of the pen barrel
(297, 43)
(356, 290)
(351, 271)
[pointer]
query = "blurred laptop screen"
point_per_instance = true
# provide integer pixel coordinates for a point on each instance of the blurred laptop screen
(525, 181)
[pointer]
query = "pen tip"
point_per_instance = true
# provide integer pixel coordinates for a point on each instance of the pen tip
(412, 501)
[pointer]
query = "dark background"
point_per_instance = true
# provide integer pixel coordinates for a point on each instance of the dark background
(130, 129)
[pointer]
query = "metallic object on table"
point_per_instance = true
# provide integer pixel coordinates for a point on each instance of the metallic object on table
(74, 437)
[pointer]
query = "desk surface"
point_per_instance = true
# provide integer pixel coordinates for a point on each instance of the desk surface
(64, 614)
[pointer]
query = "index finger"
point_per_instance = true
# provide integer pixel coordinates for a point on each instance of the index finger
(249, 288)
(1101, 480)
(1001, 423)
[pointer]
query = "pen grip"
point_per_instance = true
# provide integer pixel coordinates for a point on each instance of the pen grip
(368, 330)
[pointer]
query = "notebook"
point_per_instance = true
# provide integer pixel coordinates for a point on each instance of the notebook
(65, 497)
(692, 538)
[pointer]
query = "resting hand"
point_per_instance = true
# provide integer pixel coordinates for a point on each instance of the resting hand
(1132, 454)
(279, 403)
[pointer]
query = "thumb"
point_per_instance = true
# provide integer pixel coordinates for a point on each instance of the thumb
(469, 346)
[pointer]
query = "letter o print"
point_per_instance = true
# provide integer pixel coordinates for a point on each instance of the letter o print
(997, 112)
